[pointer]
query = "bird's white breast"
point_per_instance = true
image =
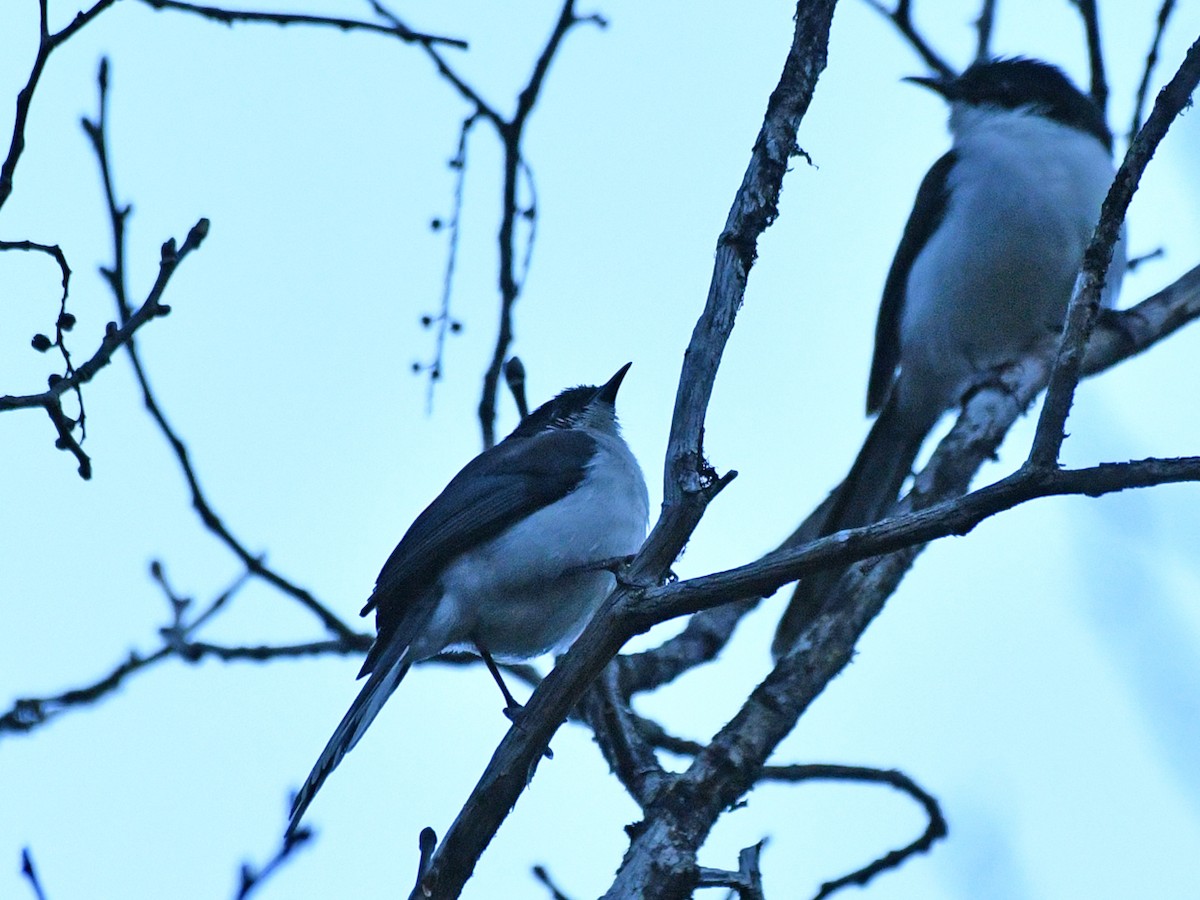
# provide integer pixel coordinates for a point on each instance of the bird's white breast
(528, 590)
(995, 278)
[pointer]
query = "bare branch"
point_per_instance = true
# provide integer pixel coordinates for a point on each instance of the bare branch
(934, 831)
(1084, 307)
(47, 44)
(511, 134)
(983, 30)
(1090, 14)
(233, 16)
(746, 882)
(30, 712)
(543, 877)
(114, 339)
(97, 132)
(251, 879)
(901, 17)
(446, 323)
(1139, 104)
(620, 739)
(704, 636)
(30, 873)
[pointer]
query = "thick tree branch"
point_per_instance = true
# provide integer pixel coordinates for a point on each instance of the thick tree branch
(690, 483)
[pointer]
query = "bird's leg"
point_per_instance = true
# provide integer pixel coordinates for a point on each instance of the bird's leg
(617, 565)
(512, 710)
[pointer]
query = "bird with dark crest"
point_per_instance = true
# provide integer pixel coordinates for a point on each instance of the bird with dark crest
(510, 559)
(983, 274)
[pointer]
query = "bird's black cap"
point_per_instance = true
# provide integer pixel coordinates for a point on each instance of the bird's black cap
(564, 409)
(1018, 82)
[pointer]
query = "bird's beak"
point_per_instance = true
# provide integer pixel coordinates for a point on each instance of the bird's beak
(939, 84)
(608, 392)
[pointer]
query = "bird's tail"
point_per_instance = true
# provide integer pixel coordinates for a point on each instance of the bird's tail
(379, 687)
(864, 496)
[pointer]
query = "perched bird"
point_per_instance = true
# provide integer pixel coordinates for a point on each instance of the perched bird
(983, 273)
(509, 559)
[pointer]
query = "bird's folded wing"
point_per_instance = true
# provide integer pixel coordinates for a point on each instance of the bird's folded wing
(927, 213)
(496, 489)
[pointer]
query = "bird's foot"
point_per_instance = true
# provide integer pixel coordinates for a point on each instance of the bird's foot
(1118, 322)
(515, 713)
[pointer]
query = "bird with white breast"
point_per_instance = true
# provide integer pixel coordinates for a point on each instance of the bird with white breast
(512, 558)
(983, 273)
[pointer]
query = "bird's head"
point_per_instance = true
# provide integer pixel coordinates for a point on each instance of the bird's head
(1020, 84)
(586, 406)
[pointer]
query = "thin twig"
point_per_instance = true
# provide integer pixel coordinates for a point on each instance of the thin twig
(444, 321)
(251, 879)
(47, 44)
(901, 17)
(30, 873)
(115, 275)
(983, 30)
(232, 16)
(1083, 309)
(1143, 91)
(114, 338)
(934, 830)
(1090, 14)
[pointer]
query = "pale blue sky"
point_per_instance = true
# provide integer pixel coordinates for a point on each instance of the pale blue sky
(1038, 676)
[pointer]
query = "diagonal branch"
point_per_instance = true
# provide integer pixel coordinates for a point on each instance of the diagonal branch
(901, 17)
(689, 482)
(1090, 14)
(1143, 90)
(47, 44)
(114, 338)
(1085, 303)
(115, 275)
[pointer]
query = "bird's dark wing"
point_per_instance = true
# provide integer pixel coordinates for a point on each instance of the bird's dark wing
(928, 211)
(500, 486)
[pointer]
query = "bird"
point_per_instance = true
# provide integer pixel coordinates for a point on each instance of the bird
(511, 558)
(983, 273)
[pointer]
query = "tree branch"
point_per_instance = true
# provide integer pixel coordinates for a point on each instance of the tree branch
(689, 482)
(47, 44)
(901, 17)
(1084, 307)
(1143, 90)
(97, 132)
(934, 831)
(232, 16)
(1090, 14)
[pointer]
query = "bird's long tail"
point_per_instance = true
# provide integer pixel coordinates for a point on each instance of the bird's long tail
(864, 496)
(379, 687)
